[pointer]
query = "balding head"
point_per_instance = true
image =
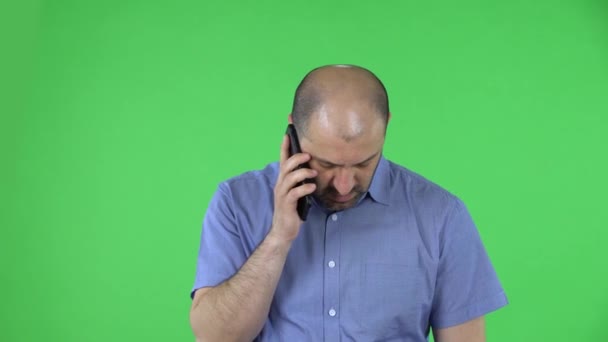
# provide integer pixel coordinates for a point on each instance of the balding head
(341, 113)
(343, 98)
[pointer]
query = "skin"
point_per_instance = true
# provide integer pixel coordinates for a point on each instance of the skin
(344, 136)
(343, 144)
(471, 331)
(345, 168)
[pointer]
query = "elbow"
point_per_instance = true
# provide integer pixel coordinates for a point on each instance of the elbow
(208, 326)
(206, 331)
(208, 334)
(197, 321)
(201, 331)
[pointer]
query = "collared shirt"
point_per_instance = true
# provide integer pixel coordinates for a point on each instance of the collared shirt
(407, 257)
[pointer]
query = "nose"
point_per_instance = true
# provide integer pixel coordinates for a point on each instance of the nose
(344, 181)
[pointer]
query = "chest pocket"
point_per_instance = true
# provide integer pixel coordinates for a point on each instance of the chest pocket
(393, 302)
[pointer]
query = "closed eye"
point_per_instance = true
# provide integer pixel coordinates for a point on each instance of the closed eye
(326, 165)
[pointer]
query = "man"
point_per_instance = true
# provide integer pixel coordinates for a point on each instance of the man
(384, 254)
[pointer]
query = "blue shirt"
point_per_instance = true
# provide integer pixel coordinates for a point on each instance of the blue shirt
(407, 257)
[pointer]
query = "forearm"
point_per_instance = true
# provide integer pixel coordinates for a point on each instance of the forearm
(471, 331)
(237, 309)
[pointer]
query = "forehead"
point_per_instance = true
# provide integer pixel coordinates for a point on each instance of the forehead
(345, 117)
(344, 130)
(334, 148)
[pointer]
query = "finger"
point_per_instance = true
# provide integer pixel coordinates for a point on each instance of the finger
(293, 178)
(294, 161)
(299, 175)
(300, 191)
(291, 164)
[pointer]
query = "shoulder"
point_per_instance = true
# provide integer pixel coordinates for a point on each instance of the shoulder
(251, 183)
(420, 192)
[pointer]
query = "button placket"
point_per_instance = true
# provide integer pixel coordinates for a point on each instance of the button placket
(332, 278)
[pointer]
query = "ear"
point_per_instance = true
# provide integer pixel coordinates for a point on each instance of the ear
(290, 118)
(389, 118)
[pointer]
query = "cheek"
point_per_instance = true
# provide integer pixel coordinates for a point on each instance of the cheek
(364, 177)
(323, 179)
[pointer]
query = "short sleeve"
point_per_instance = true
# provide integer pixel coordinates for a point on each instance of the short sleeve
(221, 252)
(467, 286)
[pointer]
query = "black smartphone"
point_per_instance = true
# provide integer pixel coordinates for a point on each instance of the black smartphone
(305, 202)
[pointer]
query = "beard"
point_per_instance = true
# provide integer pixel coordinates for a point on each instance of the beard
(327, 197)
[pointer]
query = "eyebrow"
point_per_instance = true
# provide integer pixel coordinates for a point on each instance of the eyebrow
(334, 164)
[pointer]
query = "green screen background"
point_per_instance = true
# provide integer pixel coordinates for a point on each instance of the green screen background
(119, 118)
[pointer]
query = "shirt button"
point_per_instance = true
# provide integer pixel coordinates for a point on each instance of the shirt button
(331, 264)
(334, 217)
(332, 312)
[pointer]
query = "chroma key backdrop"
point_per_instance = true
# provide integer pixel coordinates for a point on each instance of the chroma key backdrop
(119, 118)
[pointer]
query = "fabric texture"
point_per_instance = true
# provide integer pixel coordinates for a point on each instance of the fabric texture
(407, 257)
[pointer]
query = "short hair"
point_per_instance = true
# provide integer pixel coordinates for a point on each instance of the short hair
(308, 98)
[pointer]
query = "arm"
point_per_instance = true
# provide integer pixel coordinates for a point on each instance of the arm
(467, 287)
(471, 331)
(236, 309)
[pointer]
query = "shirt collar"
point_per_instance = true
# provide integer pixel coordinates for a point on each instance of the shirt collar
(380, 185)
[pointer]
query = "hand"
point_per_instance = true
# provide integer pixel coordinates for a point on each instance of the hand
(286, 222)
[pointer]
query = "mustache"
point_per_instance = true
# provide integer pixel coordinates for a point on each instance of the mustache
(331, 191)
